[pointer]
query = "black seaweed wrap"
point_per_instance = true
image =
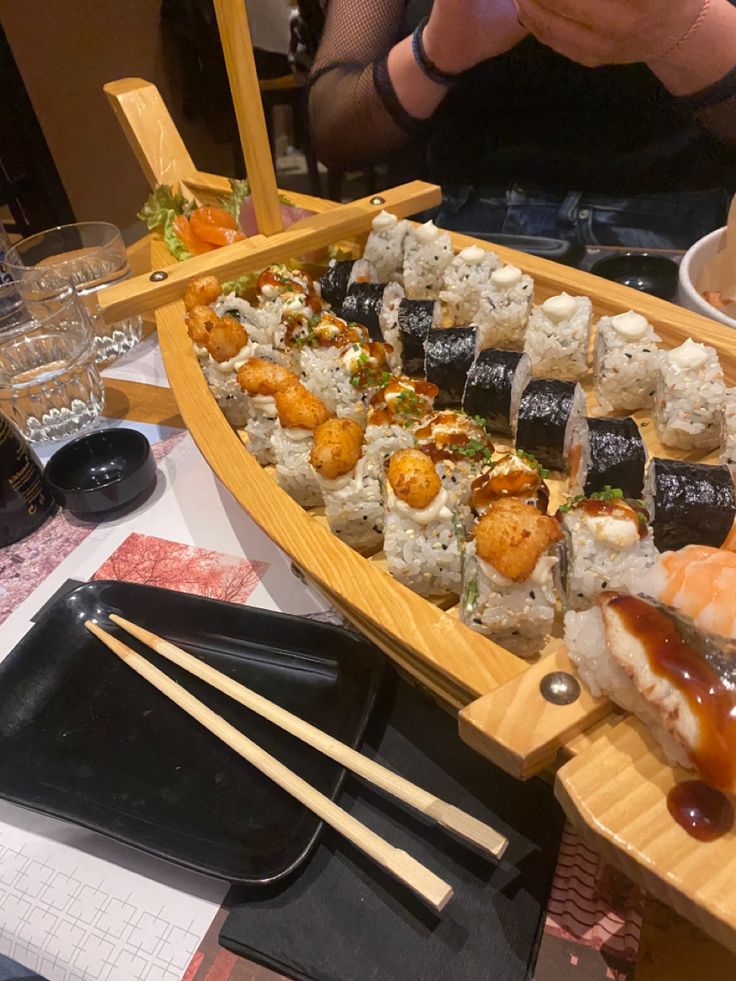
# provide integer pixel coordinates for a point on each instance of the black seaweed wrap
(449, 354)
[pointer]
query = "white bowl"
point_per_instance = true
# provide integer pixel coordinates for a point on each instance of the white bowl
(690, 268)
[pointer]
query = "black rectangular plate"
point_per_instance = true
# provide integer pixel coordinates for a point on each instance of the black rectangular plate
(84, 738)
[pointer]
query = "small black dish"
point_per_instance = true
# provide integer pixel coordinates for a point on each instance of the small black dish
(654, 274)
(100, 475)
(85, 739)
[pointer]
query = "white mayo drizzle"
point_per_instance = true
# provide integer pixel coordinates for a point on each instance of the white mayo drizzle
(437, 510)
(559, 308)
(619, 532)
(630, 326)
(427, 233)
(383, 221)
(348, 484)
(688, 355)
(506, 276)
(472, 255)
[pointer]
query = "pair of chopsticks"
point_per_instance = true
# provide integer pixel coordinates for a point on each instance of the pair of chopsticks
(400, 864)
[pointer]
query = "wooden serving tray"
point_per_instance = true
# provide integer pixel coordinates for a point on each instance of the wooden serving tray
(613, 780)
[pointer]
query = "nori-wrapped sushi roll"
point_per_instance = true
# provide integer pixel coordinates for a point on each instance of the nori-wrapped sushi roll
(689, 503)
(369, 304)
(449, 354)
(607, 453)
(548, 412)
(415, 320)
(494, 386)
(334, 283)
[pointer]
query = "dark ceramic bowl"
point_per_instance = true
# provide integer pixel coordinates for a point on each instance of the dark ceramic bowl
(103, 474)
(654, 274)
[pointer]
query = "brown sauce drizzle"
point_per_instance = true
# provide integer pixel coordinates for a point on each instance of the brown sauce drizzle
(713, 705)
(616, 508)
(705, 813)
(446, 444)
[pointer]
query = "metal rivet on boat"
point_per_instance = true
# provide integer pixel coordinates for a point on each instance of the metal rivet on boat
(560, 688)
(297, 572)
(378, 200)
(159, 276)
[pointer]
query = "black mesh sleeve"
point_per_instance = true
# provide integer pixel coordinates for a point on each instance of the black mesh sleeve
(356, 117)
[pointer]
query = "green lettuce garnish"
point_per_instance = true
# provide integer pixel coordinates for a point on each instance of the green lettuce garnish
(162, 206)
(239, 191)
(241, 286)
(173, 243)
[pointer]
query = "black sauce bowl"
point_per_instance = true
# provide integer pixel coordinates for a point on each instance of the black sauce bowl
(653, 274)
(103, 474)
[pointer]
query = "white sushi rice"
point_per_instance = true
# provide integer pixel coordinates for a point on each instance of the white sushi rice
(384, 250)
(324, 372)
(264, 324)
(465, 278)
(222, 379)
(262, 420)
(291, 449)
(388, 320)
(423, 555)
(625, 368)
(602, 554)
(503, 311)
(362, 272)
(689, 397)
(381, 441)
(516, 615)
(728, 432)
(427, 254)
(558, 337)
(354, 505)
(586, 642)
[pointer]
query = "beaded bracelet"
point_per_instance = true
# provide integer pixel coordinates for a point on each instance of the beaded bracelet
(426, 64)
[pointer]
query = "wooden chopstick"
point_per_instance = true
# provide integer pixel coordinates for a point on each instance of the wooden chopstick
(451, 818)
(428, 886)
(237, 47)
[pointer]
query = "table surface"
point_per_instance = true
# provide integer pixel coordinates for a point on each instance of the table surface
(671, 948)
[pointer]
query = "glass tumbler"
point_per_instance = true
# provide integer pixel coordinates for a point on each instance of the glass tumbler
(49, 383)
(92, 256)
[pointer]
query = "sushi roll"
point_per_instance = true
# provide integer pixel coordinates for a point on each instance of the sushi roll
(292, 288)
(384, 250)
(318, 346)
(607, 453)
(625, 363)
(350, 482)
(548, 414)
(352, 380)
(408, 334)
(677, 679)
(460, 448)
(558, 337)
(516, 475)
(466, 277)
(607, 544)
(375, 306)
(334, 283)
(493, 388)
(222, 346)
(261, 380)
(690, 503)
(299, 414)
(394, 414)
(422, 536)
(427, 254)
(449, 353)
(508, 583)
(699, 582)
(503, 312)
(688, 402)
(728, 432)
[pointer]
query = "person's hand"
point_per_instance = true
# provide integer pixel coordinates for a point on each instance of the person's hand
(462, 33)
(609, 32)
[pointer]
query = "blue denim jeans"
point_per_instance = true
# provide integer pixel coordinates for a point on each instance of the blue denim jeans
(10, 971)
(667, 221)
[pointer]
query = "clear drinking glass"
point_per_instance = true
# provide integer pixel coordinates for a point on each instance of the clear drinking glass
(49, 384)
(92, 256)
(36, 294)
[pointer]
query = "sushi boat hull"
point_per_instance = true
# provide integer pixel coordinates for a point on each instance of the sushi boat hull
(614, 783)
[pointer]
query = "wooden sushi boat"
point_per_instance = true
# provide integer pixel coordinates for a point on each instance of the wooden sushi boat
(610, 776)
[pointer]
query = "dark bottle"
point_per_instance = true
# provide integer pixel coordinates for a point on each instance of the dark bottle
(25, 500)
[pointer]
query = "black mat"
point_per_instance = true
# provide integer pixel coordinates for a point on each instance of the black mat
(343, 919)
